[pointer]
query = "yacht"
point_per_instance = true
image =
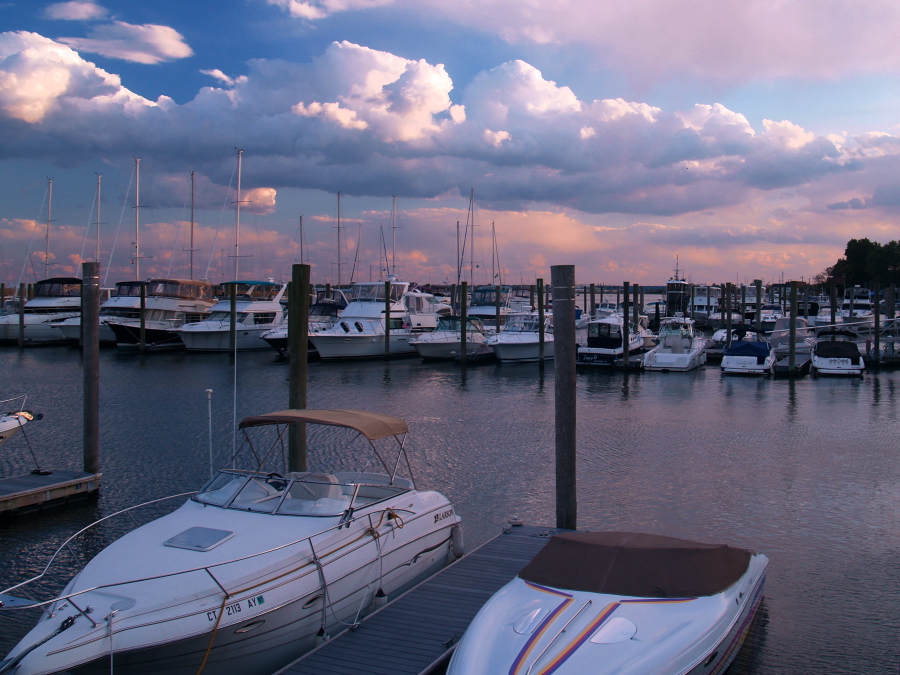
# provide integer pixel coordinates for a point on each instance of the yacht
(622, 603)
(257, 308)
(520, 339)
(124, 302)
(706, 300)
(679, 347)
(360, 332)
(323, 314)
(169, 303)
(603, 341)
(445, 342)
(483, 304)
(251, 571)
(837, 353)
(55, 299)
(749, 358)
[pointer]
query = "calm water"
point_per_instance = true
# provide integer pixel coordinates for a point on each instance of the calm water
(804, 471)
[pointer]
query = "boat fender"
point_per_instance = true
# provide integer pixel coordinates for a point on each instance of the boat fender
(321, 636)
(515, 521)
(456, 540)
(380, 599)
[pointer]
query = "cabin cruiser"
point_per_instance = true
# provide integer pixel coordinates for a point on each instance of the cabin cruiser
(780, 337)
(705, 301)
(520, 339)
(679, 347)
(858, 309)
(324, 311)
(55, 299)
(125, 302)
(169, 303)
(617, 602)
(484, 304)
(251, 571)
(719, 342)
(603, 342)
(445, 342)
(257, 308)
(769, 313)
(837, 353)
(749, 358)
(360, 332)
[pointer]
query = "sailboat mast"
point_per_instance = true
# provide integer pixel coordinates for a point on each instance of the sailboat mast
(472, 248)
(302, 243)
(192, 228)
(394, 235)
(339, 238)
(99, 178)
(137, 219)
(237, 222)
(47, 234)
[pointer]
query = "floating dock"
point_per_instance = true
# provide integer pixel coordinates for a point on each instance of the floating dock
(36, 490)
(416, 633)
(802, 362)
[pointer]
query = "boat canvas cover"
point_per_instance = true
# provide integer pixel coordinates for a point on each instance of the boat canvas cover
(838, 350)
(758, 349)
(373, 426)
(636, 564)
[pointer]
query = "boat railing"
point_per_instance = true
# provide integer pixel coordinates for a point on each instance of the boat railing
(8, 602)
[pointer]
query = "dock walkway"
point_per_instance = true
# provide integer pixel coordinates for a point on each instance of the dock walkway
(34, 490)
(417, 631)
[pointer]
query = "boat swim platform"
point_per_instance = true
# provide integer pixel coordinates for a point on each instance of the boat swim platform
(34, 491)
(802, 363)
(416, 633)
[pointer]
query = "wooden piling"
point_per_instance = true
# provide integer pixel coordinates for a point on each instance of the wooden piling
(540, 303)
(562, 279)
(387, 319)
(90, 354)
(298, 351)
(142, 337)
(463, 310)
(876, 289)
(626, 353)
(792, 353)
(758, 283)
(497, 291)
(21, 315)
(593, 301)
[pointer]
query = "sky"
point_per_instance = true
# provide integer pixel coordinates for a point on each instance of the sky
(735, 139)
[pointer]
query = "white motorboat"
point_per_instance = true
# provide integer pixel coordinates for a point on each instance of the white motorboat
(125, 303)
(250, 572)
(858, 309)
(11, 422)
(604, 341)
(323, 314)
(719, 342)
(780, 337)
(520, 339)
(360, 332)
(169, 303)
(769, 313)
(837, 353)
(679, 348)
(257, 308)
(445, 341)
(617, 602)
(749, 358)
(55, 299)
(484, 304)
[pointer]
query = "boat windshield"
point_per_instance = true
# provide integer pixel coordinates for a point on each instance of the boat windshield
(56, 288)
(523, 324)
(374, 292)
(299, 494)
(129, 289)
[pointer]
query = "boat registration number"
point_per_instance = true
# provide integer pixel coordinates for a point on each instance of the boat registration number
(237, 607)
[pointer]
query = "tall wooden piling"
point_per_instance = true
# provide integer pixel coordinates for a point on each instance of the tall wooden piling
(298, 351)
(626, 353)
(21, 315)
(142, 336)
(758, 284)
(90, 357)
(562, 280)
(498, 289)
(636, 305)
(593, 309)
(792, 336)
(540, 303)
(387, 319)
(463, 310)
(876, 355)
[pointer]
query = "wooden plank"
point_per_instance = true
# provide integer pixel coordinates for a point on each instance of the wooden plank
(412, 633)
(31, 491)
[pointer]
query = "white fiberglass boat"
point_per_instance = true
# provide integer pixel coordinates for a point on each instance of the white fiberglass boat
(519, 341)
(257, 309)
(169, 303)
(323, 314)
(12, 422)
(55, 299)
(679, 348)
(250, 572)
(444, 342)
(749, 358)
(617, 602)
(124, 303)
(360, 332)
(604, 341)
(837, 353)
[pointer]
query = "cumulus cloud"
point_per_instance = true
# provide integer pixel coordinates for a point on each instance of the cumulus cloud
(75, 11)
(319, 9)
(148, 43)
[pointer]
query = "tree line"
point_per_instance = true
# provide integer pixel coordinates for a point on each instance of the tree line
(865, 263)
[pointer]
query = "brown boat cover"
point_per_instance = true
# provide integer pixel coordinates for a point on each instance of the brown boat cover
(636, 564)
(370, 424)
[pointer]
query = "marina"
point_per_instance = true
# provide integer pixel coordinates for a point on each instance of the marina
(802, 470)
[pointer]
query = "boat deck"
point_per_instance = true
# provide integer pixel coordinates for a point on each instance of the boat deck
(35, 490)
(417, 632)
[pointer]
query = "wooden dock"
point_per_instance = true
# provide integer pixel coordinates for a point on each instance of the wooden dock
(802, 363)
(36, 490)
(416, 633)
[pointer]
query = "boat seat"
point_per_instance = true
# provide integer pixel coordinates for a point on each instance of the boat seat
(319, 486)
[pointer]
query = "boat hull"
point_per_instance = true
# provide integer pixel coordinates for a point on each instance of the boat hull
(128, 336)
(362, 346)
(219, 340)
(39, 328)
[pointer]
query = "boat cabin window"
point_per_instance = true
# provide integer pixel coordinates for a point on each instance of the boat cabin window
(263, 317)
(375, 292)
(129, 289)
(57, 289)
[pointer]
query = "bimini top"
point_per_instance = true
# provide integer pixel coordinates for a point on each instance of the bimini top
(372, 425)
(636, 564)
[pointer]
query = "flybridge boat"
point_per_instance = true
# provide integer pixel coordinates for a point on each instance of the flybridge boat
(837, 353)
(257, 309)
(251, 571)
(679, 347)
(617, 602)
(444, 341)
(125, 303)
(360, 332)
(519, 342)
(55, 300)
(169, 303)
